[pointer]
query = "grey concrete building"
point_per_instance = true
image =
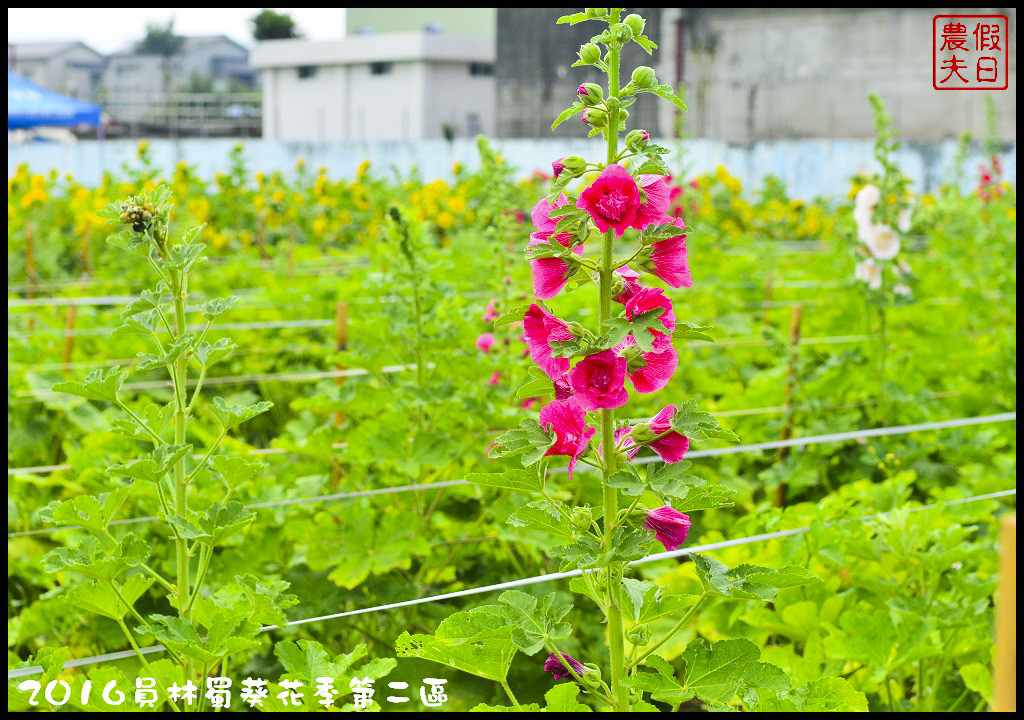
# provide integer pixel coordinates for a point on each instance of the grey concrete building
(756, 73)
(214, 58)
(69, 68)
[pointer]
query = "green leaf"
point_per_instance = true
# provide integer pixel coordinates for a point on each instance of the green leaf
(655, 166)
(627, 545)
(96, 560)
(234, 470)
(143, 323)
(646, 43)
(639, 593)
(513, 315)
(834, 694)
(208, 354)
(562, 698)
(715, 674)
(571, 19)
(694, 423)
(92, 513)
(978, 678)
(147, 301)
(489, 658)
(535, 387)
(583, 552)
(666, 92)
(153, 466)
(749, 581)
(532, 624)
(661, 684)
(690, 492)
(627, 481)
(218, 524)
(529, 438)
(102, 385)
(575, 108)
(539, 515)
(213, 309)
(522, 480)
(99, 597)
(691, 331)
(186, 254)
(230, 416)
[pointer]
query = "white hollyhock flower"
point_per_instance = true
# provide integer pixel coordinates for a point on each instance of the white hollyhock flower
(867, 197)
(903, 219)
(901, 290)
(883, 243)
(870, 272)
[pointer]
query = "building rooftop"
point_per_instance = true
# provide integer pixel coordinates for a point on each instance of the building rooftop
(44, 50)
(385, 47)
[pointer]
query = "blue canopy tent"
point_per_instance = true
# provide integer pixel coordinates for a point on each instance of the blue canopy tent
(29, 105)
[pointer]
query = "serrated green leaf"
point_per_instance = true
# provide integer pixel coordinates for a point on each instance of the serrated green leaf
(535, 387)
(694, 423)
(574, 109)
(534, 623)
(661, 684)
(748, 581)
(646, 43)
(539, 515)
(691, 331)
(103, 385)
(514, 315)
(529, 438)
(234, 470)
(154, 466)
(92, 513)
(216, 525)
(208, 354)
(627, 481)
(99, 597)
(488, 658)
(213, 309)
(147, 300)
(715, 673)
(230, 416)
(562, 698)
(571, 19)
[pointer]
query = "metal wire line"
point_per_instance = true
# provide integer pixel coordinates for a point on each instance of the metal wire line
(125, 654)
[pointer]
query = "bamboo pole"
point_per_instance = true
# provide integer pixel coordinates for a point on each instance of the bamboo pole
(1004, 696)
(340, 344)
(787, 425)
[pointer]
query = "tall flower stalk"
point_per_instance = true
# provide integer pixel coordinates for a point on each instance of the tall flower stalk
(624, 198)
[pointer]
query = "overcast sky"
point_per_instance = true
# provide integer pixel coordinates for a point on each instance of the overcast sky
(109, 29)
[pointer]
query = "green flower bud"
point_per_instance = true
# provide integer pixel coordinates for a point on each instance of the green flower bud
(622, 32)
(642, 433)
(636, 24)
(637, 140)
(590, 53)
(582, 517)
(595, 117)
(643, 77)
(596, 12)
(639, 635)
(590, 93)
(576, 329)
(574, 165)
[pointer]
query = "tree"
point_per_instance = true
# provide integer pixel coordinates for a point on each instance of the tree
(270, 25)
(160, 40)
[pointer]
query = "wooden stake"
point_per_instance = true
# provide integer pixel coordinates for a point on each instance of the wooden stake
(787, 427)
(1004, 695)
(340, 344)
(69, 339)
(30, 261)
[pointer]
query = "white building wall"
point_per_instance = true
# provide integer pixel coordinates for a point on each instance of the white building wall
(464, 101)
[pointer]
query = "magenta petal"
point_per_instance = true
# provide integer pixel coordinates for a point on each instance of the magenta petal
(670, 527)
(654, 209)
(598, 381)
(540, 329)
(670, 259)
(558, 671)
(612, 200)
(572, 434)
(657, 372)
(540, 212)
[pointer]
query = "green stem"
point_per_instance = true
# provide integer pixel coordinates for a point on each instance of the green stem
(616, 641)
(180, 291)
(207, 555)
(142, 658)
(675, 628)
(156, 438)
(511, 695)
(209, 452)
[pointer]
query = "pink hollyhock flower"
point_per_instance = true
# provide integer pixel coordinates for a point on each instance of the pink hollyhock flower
(612, 200)
(569, 423)
(554, 666)
(485, 342)
(668, 525)
(549, 274)
(673, 446)
(541, 328)
(646, 299)
(528, 403)
(495, 378)
(657, 369)
(622, 432)
(557, 167)
(669, 259)
(630, 286)
(598, 381)
(563, 390)
(490, 314)
(654, 208)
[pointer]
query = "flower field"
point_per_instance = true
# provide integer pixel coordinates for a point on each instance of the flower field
(701, 446)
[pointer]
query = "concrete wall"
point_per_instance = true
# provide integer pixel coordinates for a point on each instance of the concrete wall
(810, 168)
(770, 73)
